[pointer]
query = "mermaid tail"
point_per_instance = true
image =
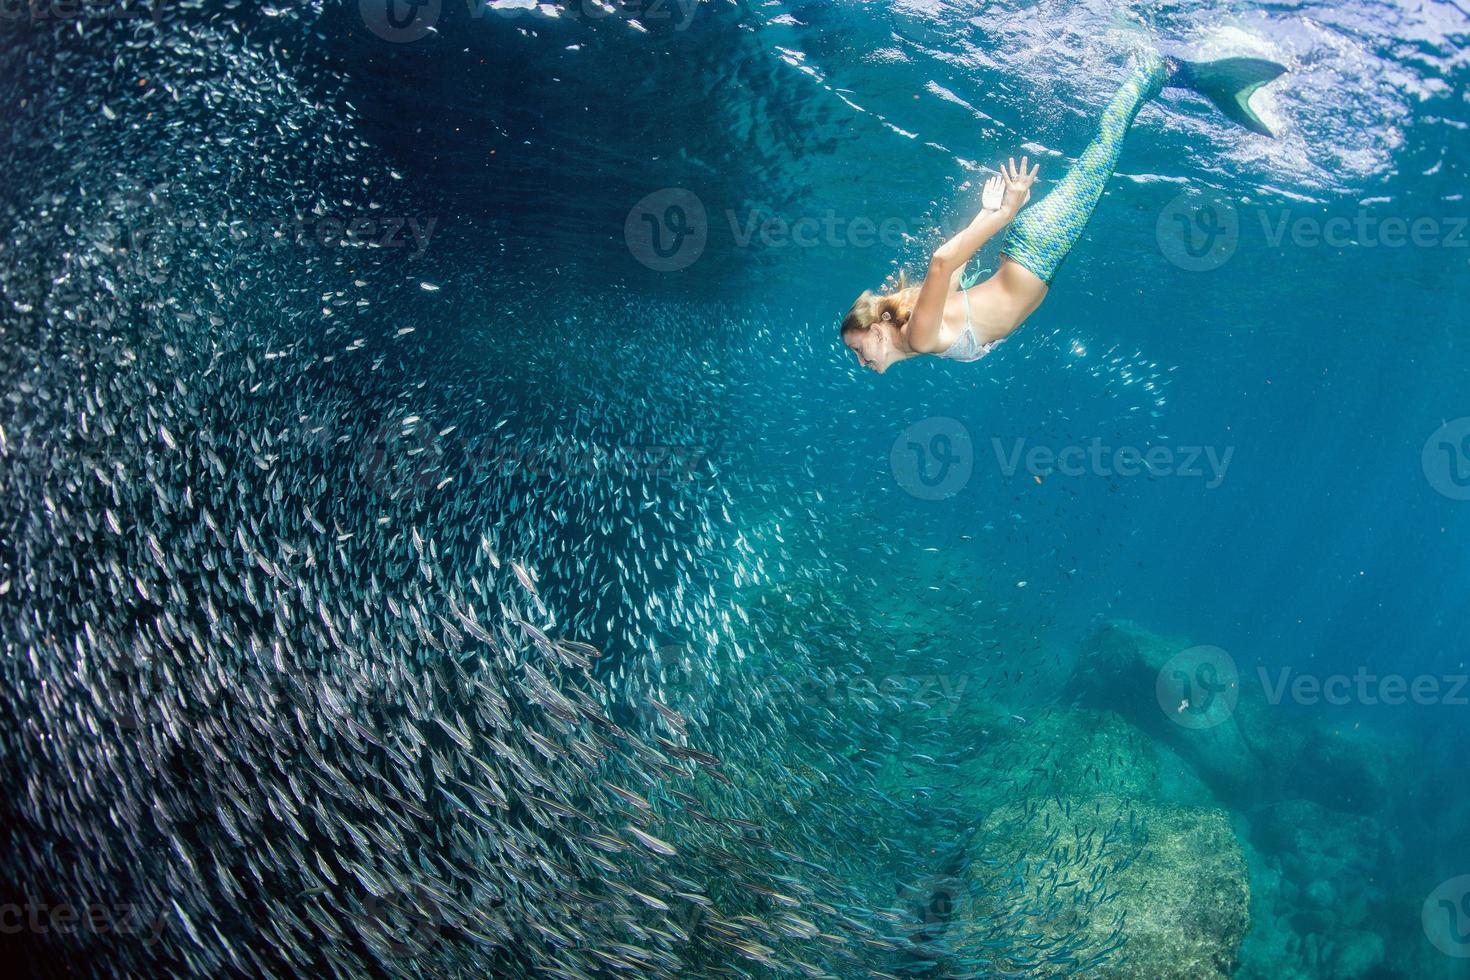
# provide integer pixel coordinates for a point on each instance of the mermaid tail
(1045, 232)
(1229, 83)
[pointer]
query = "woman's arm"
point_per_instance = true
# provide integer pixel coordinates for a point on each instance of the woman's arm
(950, 258)
(944, 268)
(991, 198)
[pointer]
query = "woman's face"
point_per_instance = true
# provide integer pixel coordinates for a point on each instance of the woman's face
(872, 347)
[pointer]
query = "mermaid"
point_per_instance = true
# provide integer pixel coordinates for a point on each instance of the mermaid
(963, 318)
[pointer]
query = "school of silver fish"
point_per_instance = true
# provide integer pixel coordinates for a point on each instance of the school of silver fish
(330, 650)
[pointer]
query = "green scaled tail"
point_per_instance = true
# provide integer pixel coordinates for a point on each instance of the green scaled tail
(1229, 83)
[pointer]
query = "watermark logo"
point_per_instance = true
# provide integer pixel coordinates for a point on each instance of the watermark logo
(1198, 688)
(344, 231)
(667, 230)
(760, 227)
(150, 226)
(408, 457)
(1198, 232)
(1446, 917)
(400, 21)
(1365, 230)
(397, 459)
(408, 921)
(97, 918)
(1365, 688)
(933, 459)
(1099, 459)
(937, 693)
(66, 11)
(643, 13)
(770, 229)
(155, 240)
(159, 231)
(943, 906)
(1446, 459)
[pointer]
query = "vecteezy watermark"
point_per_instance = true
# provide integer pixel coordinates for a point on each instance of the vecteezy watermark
(662, 231)
(163, 232)
(100, 918)
(1096, 458)
(1446, 917)
(411, 457)
(1365, 688)
(758, 227)
(933, 459)
(67, 11)
(400, 21)
(667, 230)
(1198, 688)
(943, 904)
(1446, 459)
(411, 232)
(404, 21)
(150, 703)
(1365, 230)
(1198, 231)
(413, 919)
(409, 920)
(644, 13)
(938, 693)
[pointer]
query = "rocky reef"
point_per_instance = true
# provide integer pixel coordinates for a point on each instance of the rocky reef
(1102, 812)
(1255, 801)
(1218, 832)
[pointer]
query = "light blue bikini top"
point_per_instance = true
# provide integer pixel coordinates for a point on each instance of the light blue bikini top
(965, 346)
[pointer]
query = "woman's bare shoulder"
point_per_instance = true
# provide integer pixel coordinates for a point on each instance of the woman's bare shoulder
(946, 333)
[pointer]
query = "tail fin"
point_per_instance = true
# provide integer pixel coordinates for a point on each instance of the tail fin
(1229, 83)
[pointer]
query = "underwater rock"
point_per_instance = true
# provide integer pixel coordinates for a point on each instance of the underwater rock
(1257, 751)
(1330, 857)
(1120, 669)
(1320, 894)
(1080, 752)
(1270, 950)
(1193, 873)
(1313, 874)
(1082, 820)
(1181, 908)
(1358, 955)
(1355, 770)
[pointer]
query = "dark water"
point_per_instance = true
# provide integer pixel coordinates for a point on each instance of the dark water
(972, 711)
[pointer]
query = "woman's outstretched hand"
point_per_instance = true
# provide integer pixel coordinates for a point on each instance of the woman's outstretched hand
(1018, 181)
(993, 194)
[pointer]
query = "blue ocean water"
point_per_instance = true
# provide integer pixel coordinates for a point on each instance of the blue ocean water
(1321, 351)
(623, 237)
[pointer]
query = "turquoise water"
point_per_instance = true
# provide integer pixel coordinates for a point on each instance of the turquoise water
(353, 364)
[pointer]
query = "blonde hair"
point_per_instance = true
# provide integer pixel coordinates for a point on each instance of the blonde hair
(895, 306)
